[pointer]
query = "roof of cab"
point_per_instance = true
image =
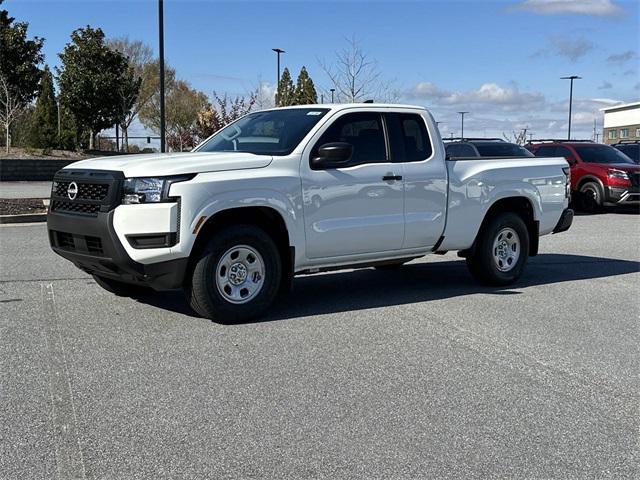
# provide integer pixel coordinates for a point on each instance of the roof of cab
(344, 106)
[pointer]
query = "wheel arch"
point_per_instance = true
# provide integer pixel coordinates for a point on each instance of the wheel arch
(266, 218)
(590, 179)
(516, 204)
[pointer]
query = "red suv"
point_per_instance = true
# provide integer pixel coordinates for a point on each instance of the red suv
(600, 174)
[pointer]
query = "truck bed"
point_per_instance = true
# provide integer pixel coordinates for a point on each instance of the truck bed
(475, 184)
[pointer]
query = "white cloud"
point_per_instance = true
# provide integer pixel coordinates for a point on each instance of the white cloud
(497, 110)
(428, 89)
(580, 7)
(490, 94)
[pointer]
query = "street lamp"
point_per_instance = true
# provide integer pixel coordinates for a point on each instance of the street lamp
(161, 62)
(278, 52)
(571, 78)
(462, 132)
(332, 90)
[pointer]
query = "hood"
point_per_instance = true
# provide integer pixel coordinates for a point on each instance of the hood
(163, 164)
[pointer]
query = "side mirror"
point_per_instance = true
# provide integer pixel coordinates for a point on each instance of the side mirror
(571, 160)
(332, 155)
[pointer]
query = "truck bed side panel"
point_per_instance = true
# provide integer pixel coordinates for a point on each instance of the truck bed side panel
(475, 185)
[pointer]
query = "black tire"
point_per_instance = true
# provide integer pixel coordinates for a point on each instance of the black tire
(202, 289)
(483, 262)
(122, 289)
(591, 197)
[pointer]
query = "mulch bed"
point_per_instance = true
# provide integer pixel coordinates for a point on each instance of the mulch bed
(20, 206)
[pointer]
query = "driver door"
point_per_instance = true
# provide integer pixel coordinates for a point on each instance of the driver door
(358, 208)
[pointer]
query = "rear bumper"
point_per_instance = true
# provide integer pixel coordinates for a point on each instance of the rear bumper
(566, 219)
(91, 243)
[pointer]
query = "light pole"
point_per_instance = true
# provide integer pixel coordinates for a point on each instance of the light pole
(462, 129)
(161, 62)
(59, 143)
(278, 52)
(571, 78)
(332, 90)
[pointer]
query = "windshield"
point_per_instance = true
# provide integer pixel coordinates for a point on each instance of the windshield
(601, 154)
(502, 149)
(273, 132)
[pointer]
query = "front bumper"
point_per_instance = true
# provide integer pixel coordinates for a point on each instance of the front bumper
(566, 219)
(91, 243)
(623, 195)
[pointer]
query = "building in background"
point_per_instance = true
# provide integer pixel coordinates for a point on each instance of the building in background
(621, 123)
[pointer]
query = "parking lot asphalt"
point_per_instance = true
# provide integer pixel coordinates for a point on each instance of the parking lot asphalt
(416, 373)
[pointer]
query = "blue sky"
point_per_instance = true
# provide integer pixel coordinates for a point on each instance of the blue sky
(500, 60)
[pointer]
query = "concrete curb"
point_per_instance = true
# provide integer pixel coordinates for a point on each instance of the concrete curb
(25, 218)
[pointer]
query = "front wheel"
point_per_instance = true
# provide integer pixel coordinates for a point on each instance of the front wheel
(591, 196)
(502, 249)
(237, 276)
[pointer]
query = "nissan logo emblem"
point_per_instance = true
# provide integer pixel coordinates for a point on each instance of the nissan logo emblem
(72, 190)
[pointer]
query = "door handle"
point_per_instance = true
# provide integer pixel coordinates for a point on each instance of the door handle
(389, 178)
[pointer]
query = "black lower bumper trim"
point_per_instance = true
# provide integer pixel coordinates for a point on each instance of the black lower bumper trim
(112, 261)
(566, 219)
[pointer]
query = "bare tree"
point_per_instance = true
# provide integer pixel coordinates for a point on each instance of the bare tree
(10, 109)
(519, 138)
(356, 76)
(264, 94)
(145, 72)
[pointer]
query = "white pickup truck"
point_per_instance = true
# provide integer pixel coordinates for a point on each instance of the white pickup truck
(300, 190)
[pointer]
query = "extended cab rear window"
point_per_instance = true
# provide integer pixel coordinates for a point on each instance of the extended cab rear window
(408, 137)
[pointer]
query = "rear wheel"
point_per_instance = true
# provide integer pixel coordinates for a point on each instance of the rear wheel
(501, 250)
(122, 289)
(591, 197)
(237, 276)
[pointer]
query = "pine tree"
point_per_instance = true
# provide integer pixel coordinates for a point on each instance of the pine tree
(44, 120)
(285, 95)
(305, 92)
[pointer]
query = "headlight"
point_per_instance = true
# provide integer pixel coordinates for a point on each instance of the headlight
(150, 189)
(619, 174)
